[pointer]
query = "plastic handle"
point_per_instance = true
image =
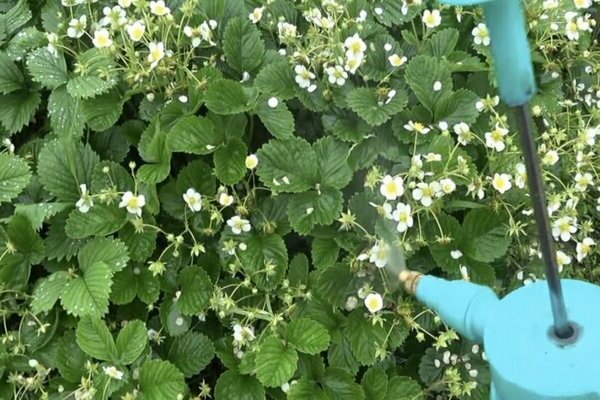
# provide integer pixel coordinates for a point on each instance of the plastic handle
(510, 48)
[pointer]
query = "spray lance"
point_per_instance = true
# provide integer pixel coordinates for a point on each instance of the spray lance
(542, 340)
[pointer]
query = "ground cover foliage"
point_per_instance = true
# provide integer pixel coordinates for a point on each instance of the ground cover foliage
(198, 198)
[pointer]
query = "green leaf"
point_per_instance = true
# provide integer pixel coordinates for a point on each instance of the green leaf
(102, 112)
(17, 109)
(38, 213)
(375, 383)
(404, 388)
(229, 160)
(262, 250)
(275, 362)
(160, 380)
(86, 87)
(324, 252)
(11, 78)
(25, 240)
(339, 384)
(131, 341)
(441, 252)
(101, 220)
(340, 355)
(332, 162)
(227, 97)
(442, 43)
(14, 176)
(484, 235)
(373, 109)
(243, 47)
(88, 294)
(111, 252)
(307, 336)
(63, 165)
(288, 165)
(22, 43)
(65, 113)
(194, 135)
(196, 290)
(232, 385)
(334, 284)
(191, 353)
(377, 65)
(277, 80)
(58, 245)
(70, 360)
(47, 291)
(460, 107)
(17, 16)
(94, 338)
(141, 245)
(46, 68)
(422, 73)
(314, 207)
(198, 175)
(364, 337)
(347, 126)
(278, 120)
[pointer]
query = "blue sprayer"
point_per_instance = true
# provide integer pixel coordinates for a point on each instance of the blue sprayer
(542, 340)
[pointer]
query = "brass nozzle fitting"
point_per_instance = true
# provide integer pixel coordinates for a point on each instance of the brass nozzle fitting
(410, 280)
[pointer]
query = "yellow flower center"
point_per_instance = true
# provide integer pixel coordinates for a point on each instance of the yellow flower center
(133, 203)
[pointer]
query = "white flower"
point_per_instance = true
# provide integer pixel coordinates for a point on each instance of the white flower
(351, 303)
(336, 75)
(431, 19)
(456, 254)
(353, 63)
(403, 216)
(582, 3)
(193, 199)
(238, 224)
(487, 104)
(582, 181)
(285, 387)
(396, 61)
(242, 334)
(374, 302)
(481, 35)
(133, 203)
(85, 202)
(362, 16)
(585, 248)
(77, 27)
(495, 138)
(463, 133)
(113, 372)
(303, 76)
(501, 182)
(426, 192)
(256, 14)
(102, 39)
(159, 8)
(380, 254)
(286, 30)
(33, 363)
(520, 175)
(225, 199)
(115, 16)
(562, 259)
(564, 227)
(433, 157)
(550, 4)
(417, 127)
(590, 135)
(136, 30)
(251, 161)
(437, 86)
(156, 52)
(273, 102)
(125, 3)
(71, 3)
(448, 186)
(392, 187)
(550, 158)
(355, 46)
(52, 42)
